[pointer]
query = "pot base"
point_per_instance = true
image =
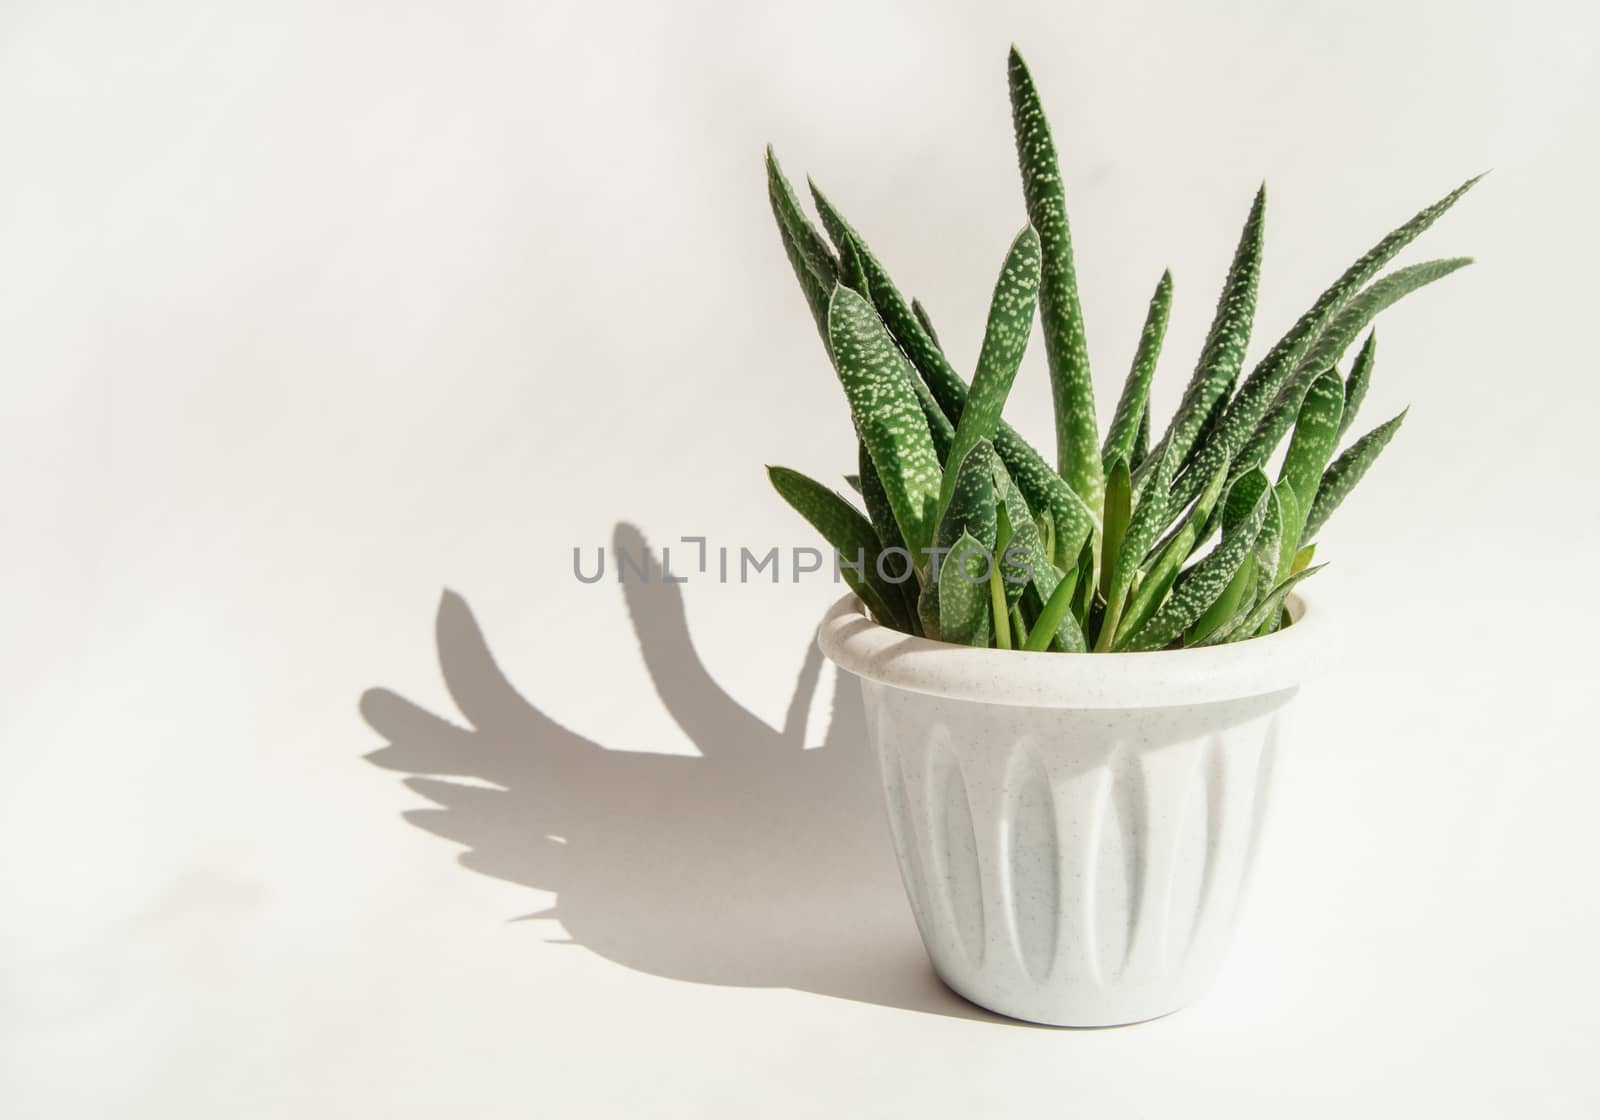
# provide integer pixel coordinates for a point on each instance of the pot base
(1083, 1022)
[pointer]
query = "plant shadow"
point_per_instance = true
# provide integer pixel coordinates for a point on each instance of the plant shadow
(758, 863)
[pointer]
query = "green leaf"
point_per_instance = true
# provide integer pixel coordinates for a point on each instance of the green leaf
(1261, 388)
(877, 380)
(926, 323)
(852, 273)
(1005, 339)
(1223, 355)
(1330, 345)
(972, 505)
(1377, 297)
(1169, 558)
(1264, 613)
(940, 429)
(1055, 623)
(1269, 545)
(1020, 558)
(928, 611)
(1133, 411)
(1044, 489)
(901, 586)
(1145, 525)
(1316, 433)
(1347, 470)
(1219, 409)
(1019, 546)
(1118, 509)
(851, 534)
(1240, 590)
(1200, 586)
(813, 262)
(1085, 598)
(1242, 497)
(1355, 386)
(1292, 518)
(815, 294)
(963, 589)
(1302, 559)
(1141, 442)
(1077, 434)
(879, 511)
(813, 249)
(999, 612)
(972, 515)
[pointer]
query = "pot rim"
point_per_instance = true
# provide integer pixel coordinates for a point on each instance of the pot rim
(1018, 678)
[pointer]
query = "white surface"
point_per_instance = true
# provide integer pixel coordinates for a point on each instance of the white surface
(310, 311)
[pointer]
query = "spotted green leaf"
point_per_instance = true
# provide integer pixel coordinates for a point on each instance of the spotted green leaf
(1261, 388)
(1200, 586)
(813, 262)
(963, 590)
(1145, 525)
(1045, 490)
(1269, 545)
(1077, 434)
(877, 381)
(1219, 409)
(940, 429)
(852, 273)
(1375, 298)
(1133, 412)
(1019, 546)
(897, 561)
(1242, 497)
(1292, 515)
(972, 504)
(1355, 386)
(1170, 556)
(1239, 592)
(1316, 434)
(1004, 341)
(1347, 470)
(925, 322)
(1223, 355)
(815, 294)
(1330, 345)
(1265, 614)
(972, 516)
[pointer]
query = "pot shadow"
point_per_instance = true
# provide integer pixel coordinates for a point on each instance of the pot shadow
(757, 863)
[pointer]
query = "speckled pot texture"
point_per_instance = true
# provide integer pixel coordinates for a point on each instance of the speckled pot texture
(1076, 831)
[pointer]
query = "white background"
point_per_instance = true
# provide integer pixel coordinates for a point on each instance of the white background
(310, 312)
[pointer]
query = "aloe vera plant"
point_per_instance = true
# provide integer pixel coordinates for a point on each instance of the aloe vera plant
(970, 535)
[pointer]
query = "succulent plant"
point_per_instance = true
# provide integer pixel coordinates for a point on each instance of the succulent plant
(966, 534)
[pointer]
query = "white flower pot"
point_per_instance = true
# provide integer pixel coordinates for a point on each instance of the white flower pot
(1075, 831)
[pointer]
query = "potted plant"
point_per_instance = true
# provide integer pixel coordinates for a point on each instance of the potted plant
(1074, 831)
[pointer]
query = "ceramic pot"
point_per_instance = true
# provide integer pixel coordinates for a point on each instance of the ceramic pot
(1076, 831)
